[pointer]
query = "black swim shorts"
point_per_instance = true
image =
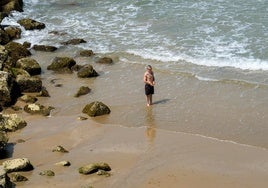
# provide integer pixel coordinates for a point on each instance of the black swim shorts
(149, 90)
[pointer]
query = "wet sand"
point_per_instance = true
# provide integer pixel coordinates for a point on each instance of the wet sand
(146, 147)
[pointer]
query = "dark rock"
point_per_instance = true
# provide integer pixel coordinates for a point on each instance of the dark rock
(4, 38)
(30, 65)
(3, 140)
(16, 177)
(45, 48)
(43, 93)
(105, 60)
(87, 71)
(87, 53)
(74, 41)
(83, 90)
(96, 109)
(29, 83)
(27, 44)
(3, 56)
(61, 64)
(13, 32)
(93, 168)
(30, 24)
(9, 5)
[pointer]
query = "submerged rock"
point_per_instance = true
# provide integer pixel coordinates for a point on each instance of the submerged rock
(74, 41)
(105, 60)
(96, 109)
(15, 165)
(93, 168)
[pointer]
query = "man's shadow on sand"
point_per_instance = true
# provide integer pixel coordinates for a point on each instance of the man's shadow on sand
(163, 101)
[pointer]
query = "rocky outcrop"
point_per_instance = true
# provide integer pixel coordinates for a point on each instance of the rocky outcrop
(45, 48)
(96, 109)
(8, 5)
(3, 140)
(87, 71)
(15, 165)
(62, 64)
(83, 90)
(11, 122)
(30, 24)
(4, 179)
(93, 168)
(30, 65)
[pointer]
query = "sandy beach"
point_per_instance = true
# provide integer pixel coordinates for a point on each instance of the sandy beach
(188, 138)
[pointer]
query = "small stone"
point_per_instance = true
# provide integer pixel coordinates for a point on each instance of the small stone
(63, 163)
(47, 173)
(60, 149)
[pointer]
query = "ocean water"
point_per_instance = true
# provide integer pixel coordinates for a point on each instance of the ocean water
(221, 43)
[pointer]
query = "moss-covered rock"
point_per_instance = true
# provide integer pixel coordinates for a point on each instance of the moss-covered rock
(61, 64)
(37, 109)
(87, 71)
(96, 109)
(47, 173)
(9, 5)
(45, 48)
(15, 165)
(11, 122)
(30, 24)
(93, 168)
(13, 32)
(4, 38)
(29, 84)
(105, 60)
(87, 53)
(30, 65)
(3, 140)
(83, 90)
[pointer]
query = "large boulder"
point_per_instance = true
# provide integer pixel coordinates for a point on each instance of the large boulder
(11, 122)
(13, 32)
(16, 51)
(87, 71)
(9, 5)
(8, 89)
(3, 140)
(30, 24)
(61, 64)
(29, 84)
(15, 165)
(30, 65)
(4, 179)
(96, 109)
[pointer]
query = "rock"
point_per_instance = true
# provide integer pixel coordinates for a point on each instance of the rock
(87, 71)
(8, 90)
(4, 179)
(30, 24)
(9, 5)
(15, 165)
(74, 41)
(38, 109)
(87, 53)
(16, 51)
(63, 163)
(28, 99)
(4, 38)
(96, 109)
(29, 84)
(60, 149)
(30, 65)
(16, 177)
(103, 173)
(44, 48)
(61, 64)
(13, 32)
(3, 56)
(27, 44)
(82, 118)
(47, 173)
(3, 140)
(83, 90)
(105, 60)
(11, 122)
(43, 93)
(93, 168)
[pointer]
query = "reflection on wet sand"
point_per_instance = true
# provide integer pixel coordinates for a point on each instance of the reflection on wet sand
(150, 125)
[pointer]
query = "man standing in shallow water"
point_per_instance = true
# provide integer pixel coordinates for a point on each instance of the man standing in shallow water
(149, 84)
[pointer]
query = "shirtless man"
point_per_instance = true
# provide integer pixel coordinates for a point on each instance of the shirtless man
(149, 84)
